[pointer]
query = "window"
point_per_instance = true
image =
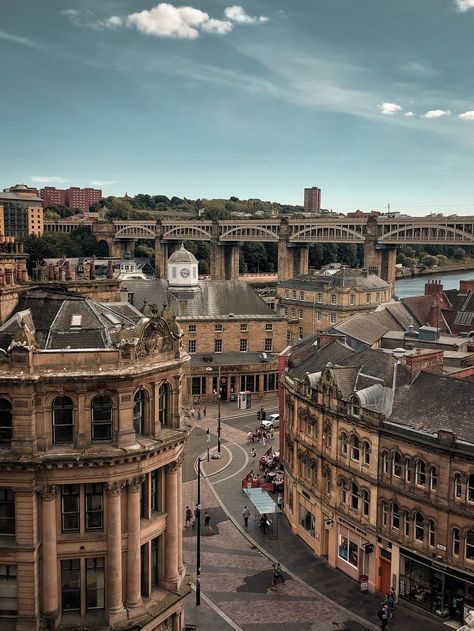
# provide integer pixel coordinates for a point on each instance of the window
(319, 298)
(244, 346)
(365, 503)
(470, 545)
(354, 496)
(366, 453)
(433, 478)
(268, 344)
(5, 424)
(344, 444)
(192, 328)
(420, 473)
(71, 585)
(301, 295)
(139, 406)
(333, 299)
(198, 385)
(8, 590)
(431, 533)
(270, 382)
(300, 333)
(301, 314)
(407, 470)
(332, 318)
(327, 480)
(288, 337)
(94, 507)
(7, 512)
(63, 423)
(155, 565)
(164, 404)
(457, 486)
(217, 346)
(419, 527)
(352, 300)
(192, 346)
(268, 327)
(406, 522)
(307, 521)
(318, 316)
(396, 465)
(95, 579)
(293, 312)
(348, 548)
(395, 516)
(285, 311)
(456, 545)
(155, 490)
(367, 298)
(327, 436)
(218, 328)
(70, 508)
(355, 407)
(293, 294)
(377, 297)
(102, 418)
(287, 293)
(355, 447)
(384, 514)
(244, 327)
(470, 488)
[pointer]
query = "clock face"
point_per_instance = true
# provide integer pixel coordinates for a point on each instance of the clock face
(185, 272)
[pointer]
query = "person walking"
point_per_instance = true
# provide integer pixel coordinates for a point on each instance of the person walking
(188, 516)
(199, 414)
(192, 413)
(264, 438)
(204, 411)
(207, 521)
(274, 577)
(196, 515)
(280, 501)
(253, 453)
(246, 515)
(383, 615)
(263, 523)
(279, 574)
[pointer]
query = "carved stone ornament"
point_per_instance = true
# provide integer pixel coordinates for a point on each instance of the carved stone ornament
(48, 493)
(152, 338)
(114, 488)
(134, 484)
(175, 465)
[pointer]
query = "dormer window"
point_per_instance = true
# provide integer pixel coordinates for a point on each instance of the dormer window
(76, 321)
(355, 407)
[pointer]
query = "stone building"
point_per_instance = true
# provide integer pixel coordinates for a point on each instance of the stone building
(91, 448)
(232, 335)
(314, 303)
(379, 461)
(21, 212)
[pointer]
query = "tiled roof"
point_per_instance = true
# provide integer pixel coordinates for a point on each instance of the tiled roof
(334, 352)
(364, 327)
(344, 278)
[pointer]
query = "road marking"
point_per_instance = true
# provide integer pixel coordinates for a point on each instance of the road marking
(218, 611)
(244, 466)
(203, 457)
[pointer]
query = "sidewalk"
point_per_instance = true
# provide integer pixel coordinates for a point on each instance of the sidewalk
(298, 560)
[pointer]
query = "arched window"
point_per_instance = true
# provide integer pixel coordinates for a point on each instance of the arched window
(354, 496)
(408, 474)
(6, 425)
(343, 491)
(384, 513)
(365, 503)
(344, 444)
(355, 447)
(327, 480)
(470, 545)
(406, 522)
(470, 488)
(164, 404)
(456, 542)
(396, 465)
(457, 486)
(366, 453)
(355, 407)
(433, 478)
(431, 533)
(419, 527)
(101, 418)
(327, 436)
(384, 462)
(63, 421)
(139, 411)
(395, 516)
(420, 473)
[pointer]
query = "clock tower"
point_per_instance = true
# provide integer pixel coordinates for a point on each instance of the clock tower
(182, 269)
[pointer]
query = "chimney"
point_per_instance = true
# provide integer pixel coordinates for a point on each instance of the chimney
(123, 294)
(67, 265)
(465, 286)
(110, 270)
(432, 361)
(433, 288)
(326, 338)
(92, 270)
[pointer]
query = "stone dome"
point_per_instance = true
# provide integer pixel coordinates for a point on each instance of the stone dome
(182, 256)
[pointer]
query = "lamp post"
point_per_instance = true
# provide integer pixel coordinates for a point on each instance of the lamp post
(209, 369)
(198, 537)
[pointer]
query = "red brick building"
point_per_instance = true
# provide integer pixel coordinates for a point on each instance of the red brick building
(52, 196)
(73, 197)
(312, 199)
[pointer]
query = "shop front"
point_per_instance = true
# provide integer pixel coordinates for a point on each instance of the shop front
(353, 557)
(445, 591)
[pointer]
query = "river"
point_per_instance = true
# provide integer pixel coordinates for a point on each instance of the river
(416, 286)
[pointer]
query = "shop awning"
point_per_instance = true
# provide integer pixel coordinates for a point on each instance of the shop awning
(262, 500)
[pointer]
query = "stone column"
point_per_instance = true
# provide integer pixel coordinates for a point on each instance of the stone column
(302, 264)
(171, 578)
(231, 261)
(372, 256)
(115, 608)
(285, 261)
(181, 567)
(134, 598)
(216, 262)
(50, 557)
(389, 260)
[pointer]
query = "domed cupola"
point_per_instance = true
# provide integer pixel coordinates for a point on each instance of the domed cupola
(183, 268)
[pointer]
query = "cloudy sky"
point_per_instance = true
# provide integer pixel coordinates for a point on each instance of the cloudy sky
(372, 100)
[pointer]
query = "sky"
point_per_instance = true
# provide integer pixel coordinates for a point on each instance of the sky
(371, 100)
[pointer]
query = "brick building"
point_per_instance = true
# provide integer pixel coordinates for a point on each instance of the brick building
(314, 303)
(228, 329)
(312, 199)
(379, 460)
(53, 196)
(21, 212)
(91, 449)
(73, 197)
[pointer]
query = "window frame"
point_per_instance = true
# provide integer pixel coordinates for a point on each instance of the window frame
(69, 407)
(107, 404)
(6, 422)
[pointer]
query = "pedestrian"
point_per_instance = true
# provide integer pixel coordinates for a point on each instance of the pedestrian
(199, 414)
(274, 577)
(188, 516)
(263, 523)
(264, 438)
(383, 615)
(204, 411)
(272, 433)
(246, 515)
(280, 574)
(196, 515)
(192, 412)
(207, 520)
(280, 501)
(253, 453)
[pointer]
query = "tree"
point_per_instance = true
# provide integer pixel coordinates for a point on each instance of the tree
(441, 259)
(459, 254)
(429, 260)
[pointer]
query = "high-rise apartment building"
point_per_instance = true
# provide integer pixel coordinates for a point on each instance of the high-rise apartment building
(21, 212)
(312, 199)
(53, 196)
(73, 197)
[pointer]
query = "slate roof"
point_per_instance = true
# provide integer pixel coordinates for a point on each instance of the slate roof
(209, 299)
(419, 307)
(334, 352)
(343, 278)
(365, 327)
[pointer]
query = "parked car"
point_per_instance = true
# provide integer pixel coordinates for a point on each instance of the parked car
(272, 420)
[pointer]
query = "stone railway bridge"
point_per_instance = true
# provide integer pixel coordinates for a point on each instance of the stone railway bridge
(380, 237)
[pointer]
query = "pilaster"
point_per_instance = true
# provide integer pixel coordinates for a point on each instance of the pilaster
(134, 599)
(49, 556)
(115, 610)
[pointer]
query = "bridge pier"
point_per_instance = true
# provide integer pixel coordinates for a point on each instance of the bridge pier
(163, 250)
(225, 259)
(380, 260)
(293, 260)
(121, 248)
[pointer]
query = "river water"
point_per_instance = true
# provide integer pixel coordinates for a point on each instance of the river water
(416, 286)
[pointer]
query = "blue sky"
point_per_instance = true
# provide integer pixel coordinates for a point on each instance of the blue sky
(372, 100)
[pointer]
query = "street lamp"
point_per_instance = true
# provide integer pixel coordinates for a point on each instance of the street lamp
(198, 537)
(209, 369)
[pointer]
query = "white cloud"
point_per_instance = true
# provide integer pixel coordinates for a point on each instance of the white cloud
(436, 113)
(409, 114)
(389, 109)
(102, 182)
(46, 179)
(465, 5)
(237, 14)
(166, 20)
(113, 22)
(467, 116)
(77, 16)
(18, 39)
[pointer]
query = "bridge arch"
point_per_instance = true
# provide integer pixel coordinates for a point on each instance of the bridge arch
(427, 234)
(135, 232)
(311, 233)
(245, 232)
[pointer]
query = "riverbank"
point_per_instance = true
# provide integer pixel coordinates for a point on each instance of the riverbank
(445, 269)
